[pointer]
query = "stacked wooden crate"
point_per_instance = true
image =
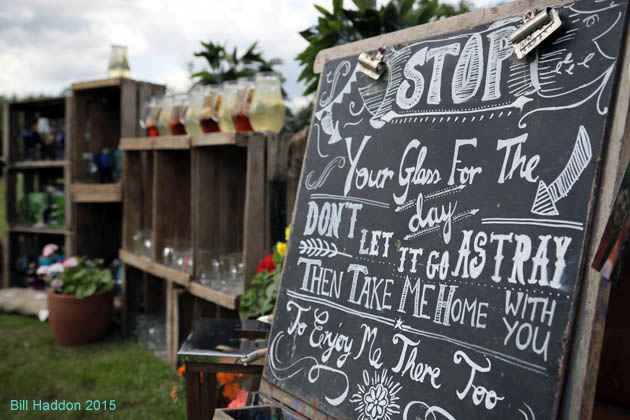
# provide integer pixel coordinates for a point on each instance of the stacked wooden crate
(24, 239)
(210, 190)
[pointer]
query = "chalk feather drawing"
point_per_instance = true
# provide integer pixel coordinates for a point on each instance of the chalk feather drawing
(377, 397)
(317, 247)
(548, 195)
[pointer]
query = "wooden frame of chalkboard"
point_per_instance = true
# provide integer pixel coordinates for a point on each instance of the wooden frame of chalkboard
(377, 393)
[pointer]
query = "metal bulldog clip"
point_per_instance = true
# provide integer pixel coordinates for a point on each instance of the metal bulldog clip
(536, 28)
(372, 65)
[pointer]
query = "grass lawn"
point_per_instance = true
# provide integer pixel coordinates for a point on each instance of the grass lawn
(33, 367)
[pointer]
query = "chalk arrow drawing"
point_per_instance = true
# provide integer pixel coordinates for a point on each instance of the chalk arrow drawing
(548, 195)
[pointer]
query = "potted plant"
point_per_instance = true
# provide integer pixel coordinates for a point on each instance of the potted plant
(80, 300)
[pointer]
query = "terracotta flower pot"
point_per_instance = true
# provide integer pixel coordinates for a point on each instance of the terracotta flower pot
(79, 321)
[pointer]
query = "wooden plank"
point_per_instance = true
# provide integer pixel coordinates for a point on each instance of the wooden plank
(39, 164)
(129, 108)
(8, 191)
(171, 142)
(256, 224)
(226, 300)
(97, 84)
(67, 172)
(305, 410)
(443, 26)
(171, 219)
(136, 143)
(6, 140)
(132, 199)
(40, 230)
(154, 268)
(96, 193)
(581, 384)
(170, 274)
(137, 261)
(297, 146)
(171, 310)
(214, 139)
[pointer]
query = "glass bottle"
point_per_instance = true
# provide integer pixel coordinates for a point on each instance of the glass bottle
(164, 118)
(209, 117)
(178, 115)
(240, 113)
(150, 116)
(193, 112)
(226, 104)
(118, 62)
(267, 109)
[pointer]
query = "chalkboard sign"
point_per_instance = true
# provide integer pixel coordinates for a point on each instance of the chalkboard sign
(439, 234)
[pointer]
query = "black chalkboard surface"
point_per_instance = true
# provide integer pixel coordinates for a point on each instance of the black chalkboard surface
(439, 233)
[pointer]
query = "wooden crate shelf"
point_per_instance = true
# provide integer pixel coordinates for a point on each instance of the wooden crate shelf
(171, 142)
(38, 164)
(22, 175)
(155, 268)
(136, 143)
(44, 230)
(214, 197)
(219, 139)
(103, 111)
(83, 192)
(27, 243)
(221, 298)
(211, 190)
(98, 84)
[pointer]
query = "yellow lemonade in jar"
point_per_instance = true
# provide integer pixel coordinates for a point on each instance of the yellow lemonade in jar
(267, 115)
(225, 105)
(267, 110)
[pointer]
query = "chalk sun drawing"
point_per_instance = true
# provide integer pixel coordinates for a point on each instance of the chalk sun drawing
(548, 195)
(377, 397)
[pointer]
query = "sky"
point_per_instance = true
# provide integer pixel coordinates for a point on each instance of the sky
(45, 45)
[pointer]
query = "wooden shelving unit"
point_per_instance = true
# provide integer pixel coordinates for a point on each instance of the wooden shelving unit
(96, 193)
(210, 190)
(23, 175)
(102, 112)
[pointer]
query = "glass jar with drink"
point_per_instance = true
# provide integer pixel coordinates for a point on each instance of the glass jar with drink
(164, 118)
(240, 113)
(267, 108)
(227, 100)
(150, 116)
(209, 114)
(196, 100)
(178, 115)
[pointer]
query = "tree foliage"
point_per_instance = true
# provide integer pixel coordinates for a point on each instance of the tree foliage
(224, 64)
(342, 25)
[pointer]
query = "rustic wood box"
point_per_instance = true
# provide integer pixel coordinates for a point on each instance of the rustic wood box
(35, 171)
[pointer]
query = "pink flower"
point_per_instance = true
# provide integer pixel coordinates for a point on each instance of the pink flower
(71, 262)
(49, 250)
(42, 270)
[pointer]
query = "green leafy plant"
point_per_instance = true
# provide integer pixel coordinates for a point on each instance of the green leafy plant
(341, 25)
(224, 64)
(79, 277)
